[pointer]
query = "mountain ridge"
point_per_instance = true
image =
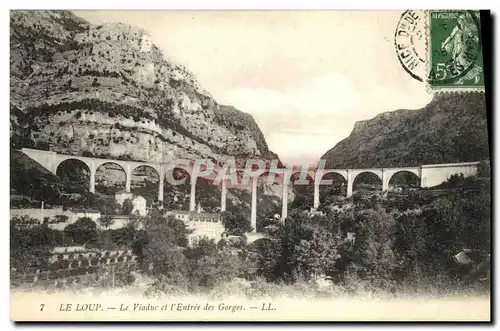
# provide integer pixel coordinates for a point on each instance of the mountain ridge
(108, 91)
(451, 128)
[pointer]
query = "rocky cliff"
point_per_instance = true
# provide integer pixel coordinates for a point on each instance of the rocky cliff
(108, 91)
(451, 128)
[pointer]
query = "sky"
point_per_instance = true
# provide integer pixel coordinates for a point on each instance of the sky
(305, 76)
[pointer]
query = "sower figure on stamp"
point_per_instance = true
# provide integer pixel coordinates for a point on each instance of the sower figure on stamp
(462, 38)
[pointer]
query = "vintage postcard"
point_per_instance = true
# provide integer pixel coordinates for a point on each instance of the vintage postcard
(249, 166)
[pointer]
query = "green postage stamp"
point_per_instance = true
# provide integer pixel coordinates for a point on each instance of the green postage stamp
(454, 50)
(442, 48)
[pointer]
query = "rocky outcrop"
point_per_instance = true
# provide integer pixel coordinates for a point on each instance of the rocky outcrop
(108, 91)
(451, 128)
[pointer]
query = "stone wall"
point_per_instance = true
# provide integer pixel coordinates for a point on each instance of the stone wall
(68, 266)
(120, 221)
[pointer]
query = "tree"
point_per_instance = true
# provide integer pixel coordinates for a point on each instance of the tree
(209, 266)
(74, 176)
(106, 221)
(373, 245)
(31, 243)
(159, 247)
(161, 254)
(410, 245)
(269, 253)
(317, 256)
(236, 224)
(302, 201)
(301, 249)
(180, 230)
(83, 231)
(106, 241)
(61, 218)
(108, 206)
(127, 207)
(205, 247)
(88, 200)
(164, 252)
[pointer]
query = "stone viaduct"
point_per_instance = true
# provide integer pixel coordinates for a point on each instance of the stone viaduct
(429, 176)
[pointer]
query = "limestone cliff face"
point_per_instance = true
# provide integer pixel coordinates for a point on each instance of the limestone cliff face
(108, 91)
(451, 128)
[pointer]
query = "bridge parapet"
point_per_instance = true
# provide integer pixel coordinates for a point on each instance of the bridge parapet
(448, 165)
(435, 174)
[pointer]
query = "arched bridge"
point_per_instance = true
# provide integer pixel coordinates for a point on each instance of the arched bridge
(428, 175)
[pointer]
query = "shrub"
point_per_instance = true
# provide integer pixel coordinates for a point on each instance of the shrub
(60, 219)
(106, 221)
(83, 231)
(105, 241)
(214, 268)
(31, 243)
(236, 223)
(300, 250)
(127, 207)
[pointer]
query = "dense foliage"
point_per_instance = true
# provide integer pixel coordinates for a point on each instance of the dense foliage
(30, 243)
(384, 241)
(30, 179)
(369, 241)
(83, 231)
(236, 223)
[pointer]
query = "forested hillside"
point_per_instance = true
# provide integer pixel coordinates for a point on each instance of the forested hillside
(451, 128)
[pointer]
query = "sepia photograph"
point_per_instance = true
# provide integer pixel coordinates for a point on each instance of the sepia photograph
(175, 165)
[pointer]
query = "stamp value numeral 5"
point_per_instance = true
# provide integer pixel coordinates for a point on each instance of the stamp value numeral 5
(442, 70)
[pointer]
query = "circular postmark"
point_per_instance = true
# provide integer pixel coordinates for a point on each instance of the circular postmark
(454, 48)
(410, 42)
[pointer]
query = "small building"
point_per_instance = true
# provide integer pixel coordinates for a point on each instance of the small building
(138, 202)
(180, 215)
(205, 217)
(140, 207)
(122, 195)
(204, 224)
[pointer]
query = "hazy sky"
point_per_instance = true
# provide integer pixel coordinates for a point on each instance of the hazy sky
(306, 77)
